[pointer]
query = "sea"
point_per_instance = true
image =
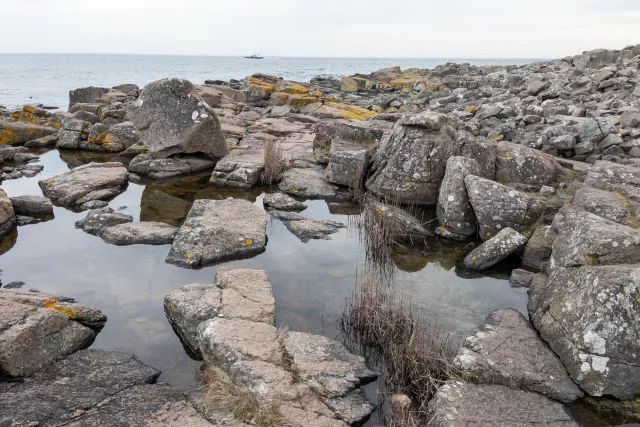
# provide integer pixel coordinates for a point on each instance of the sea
(47, 78)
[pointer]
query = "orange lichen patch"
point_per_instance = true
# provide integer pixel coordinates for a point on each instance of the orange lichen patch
(472, 109)
(507, 154)
(293, 190)
(55, 305)
(29, 109)
(391, 110)
(51, 304)
(171, 307)
(295, 89)
(499, 138)
(298, 102)
(352, 112)
(488, 233)
(249, 242)
(189, 255)
(188, 227)
(403, 83)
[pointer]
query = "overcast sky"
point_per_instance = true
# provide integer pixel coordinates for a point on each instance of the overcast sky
(356, 28)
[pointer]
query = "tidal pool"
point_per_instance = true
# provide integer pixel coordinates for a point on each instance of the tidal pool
(311, 281)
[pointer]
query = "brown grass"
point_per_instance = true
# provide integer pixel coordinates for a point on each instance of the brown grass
(225, 396)
(416, 357)
(274, 162)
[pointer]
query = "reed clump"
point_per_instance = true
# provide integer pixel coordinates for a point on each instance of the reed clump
(274, 162)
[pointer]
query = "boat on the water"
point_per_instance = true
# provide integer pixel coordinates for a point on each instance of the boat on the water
(254, 57)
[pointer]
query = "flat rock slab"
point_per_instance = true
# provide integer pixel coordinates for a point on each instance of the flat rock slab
(283, 202)
(508, 351)
(217, 230)
(36, 330)
(285, 216)
(461, 404)
(307, 229)
(307, 182)
(17, 133)
(93, 181)
(140, 233)
(32, 205)
(98, 220)
(96, 388)
(491, 252)
(148, 167)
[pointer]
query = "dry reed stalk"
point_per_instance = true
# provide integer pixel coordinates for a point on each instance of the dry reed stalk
(274, 162)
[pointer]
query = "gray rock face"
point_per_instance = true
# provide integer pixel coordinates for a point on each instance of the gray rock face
(363, 135)
(462, 404)
(98, 220)
(594, 129)
(172, 118)
(140, 233)
(238, 293)
(538, 249)
(587, 239)
(216, 230)
(455, 214)
(615, 177)
(86, 95)
(630, 119)
(347, 168)
(38, 329)
(521, 278)
(32, 205)
(411, 159)
(145, 165)
(96, 388)
(18, 133)
(507, 351)
(588, 316)
(610, 205)
(517, 163)
(406, 225)
(282, 202)
(307, 229)
(93, 181)
(7, 213)
(307, 182)
(491, 252)
(497, 206)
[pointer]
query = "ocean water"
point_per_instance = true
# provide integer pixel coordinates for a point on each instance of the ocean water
(47, 78)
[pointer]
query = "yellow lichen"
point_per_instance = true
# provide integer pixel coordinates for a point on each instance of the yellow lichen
(249, 242)
(189, 255)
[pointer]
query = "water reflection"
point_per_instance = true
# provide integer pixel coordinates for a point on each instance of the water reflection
(311, 280)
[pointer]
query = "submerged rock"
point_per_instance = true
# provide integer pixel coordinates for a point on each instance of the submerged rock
(491, 252)
(461, 404)
(508, 351)
(139, 233)
(282, 202)
(98, 220)
(285, 215)
(217, 230)
(93, 181)
(307, 229)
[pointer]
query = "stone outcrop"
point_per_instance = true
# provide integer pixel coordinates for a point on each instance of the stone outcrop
(7, 213)
(139, 233)
(494, 250)
(455, 214)
(307, 182)
(218, 230)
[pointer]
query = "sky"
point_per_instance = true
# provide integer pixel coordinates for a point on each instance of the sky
(335, 28)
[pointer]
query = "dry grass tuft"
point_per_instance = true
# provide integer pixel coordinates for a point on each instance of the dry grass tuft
(416, 357)
(274, 162)
(224, 395)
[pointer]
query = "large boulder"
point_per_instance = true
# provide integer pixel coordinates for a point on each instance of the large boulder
(588, 316)
(358, 135)
(460, 403)
(411, 159)
(507, 350)
(517, 163)
(494, 250)
(93, 181)
(217, 230)
(37, 329)
(7, 213)
(172, 118)
(454, 211)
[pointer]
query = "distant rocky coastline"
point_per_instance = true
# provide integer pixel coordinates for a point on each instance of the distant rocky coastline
(539, 163)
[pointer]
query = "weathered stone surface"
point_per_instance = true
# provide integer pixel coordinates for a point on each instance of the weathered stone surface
(111, 139)
(172, 118)
(491, 252)
(32, 205)
(587, 239)
(459, 404)
(307, 182)
(402, 222)
(517, 163)
(216, 230)
(93, 181)
(606, 204)
(139, 233)
(538, 249)
(455, 214)
(86, 95)
(520, 278)
(242, 168)
(594, 129)
(98, 220)
(497, 206)
(588, 316)
(144, 165)
(347, 168)
(411, 159)
(307, 229)
(283, 202)
(360, 135)
(38, 330)
(615, 177)
(506, 350)
(285, 215)
(7, 213)
(17, 133)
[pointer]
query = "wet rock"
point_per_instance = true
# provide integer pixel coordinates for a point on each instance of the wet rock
(520, 278)
(26, 220)
(455, 214)
(587, 315)
(139, 233)
(144, 165)
(491, 252)
(411, 159)
(7, 214)
(517, 163)
(307, 182)
(497, 206)
(32, 205)
(507, 351)
(93, 181)
(38, 329)
(307, 229)
(98, 220)
(172, 118)
(17, 133)
(460, 404)
(285, 216)
(216, 230)
(283, 202)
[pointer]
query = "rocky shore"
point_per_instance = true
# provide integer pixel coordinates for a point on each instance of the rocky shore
(538, 164)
